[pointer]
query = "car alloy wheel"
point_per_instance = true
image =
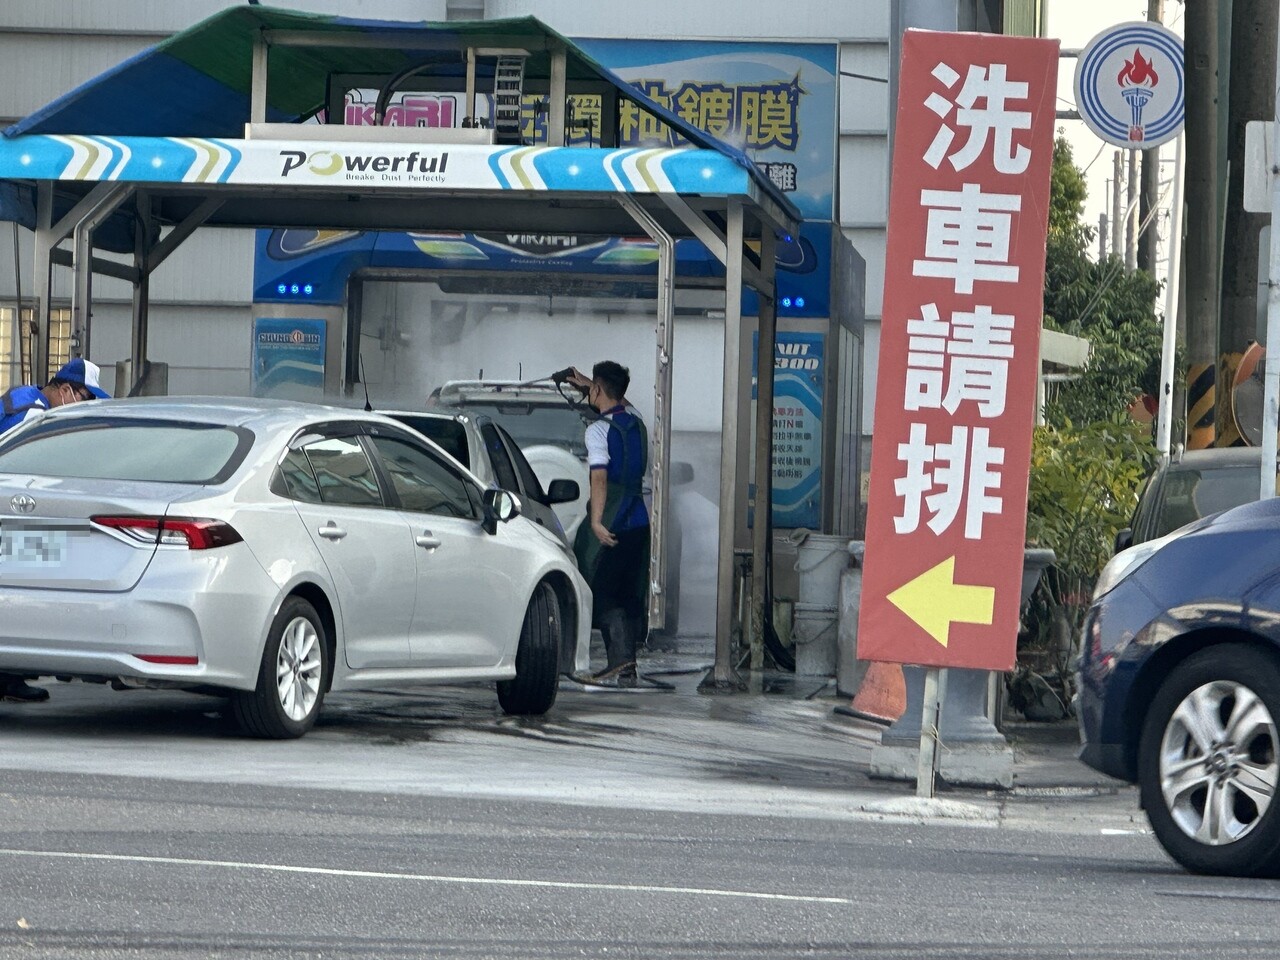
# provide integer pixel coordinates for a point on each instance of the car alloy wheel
(299, 669)
(1209, 761)
(1218, 762)
(292, 675)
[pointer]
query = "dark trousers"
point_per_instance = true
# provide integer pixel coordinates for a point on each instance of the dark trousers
(619, 590)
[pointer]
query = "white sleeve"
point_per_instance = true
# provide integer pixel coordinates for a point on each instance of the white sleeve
(598, 444)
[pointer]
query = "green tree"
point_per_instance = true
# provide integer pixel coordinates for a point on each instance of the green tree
(1089, 458)
(1097, 300)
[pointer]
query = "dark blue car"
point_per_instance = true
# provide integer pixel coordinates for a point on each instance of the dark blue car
(1179, 687)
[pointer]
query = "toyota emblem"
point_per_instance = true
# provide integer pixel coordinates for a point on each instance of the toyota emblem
(22, 504)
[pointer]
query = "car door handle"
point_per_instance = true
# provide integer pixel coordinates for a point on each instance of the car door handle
(331, 531)
(427, 540)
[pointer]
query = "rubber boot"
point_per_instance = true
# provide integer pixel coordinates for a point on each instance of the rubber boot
(619, 647)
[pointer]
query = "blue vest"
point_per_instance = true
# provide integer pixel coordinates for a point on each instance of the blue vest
(16, 403)
(628, 458)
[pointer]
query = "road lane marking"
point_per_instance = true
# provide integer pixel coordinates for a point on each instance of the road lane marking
(423, 877)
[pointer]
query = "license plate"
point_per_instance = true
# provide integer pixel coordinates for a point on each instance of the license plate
(33, 548)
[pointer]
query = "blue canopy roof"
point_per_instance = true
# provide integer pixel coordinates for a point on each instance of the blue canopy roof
(210, 66)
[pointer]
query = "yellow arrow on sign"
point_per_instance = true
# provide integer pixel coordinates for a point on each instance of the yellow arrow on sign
(934, 601)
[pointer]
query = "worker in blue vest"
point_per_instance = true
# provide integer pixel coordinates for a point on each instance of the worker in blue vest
(76, 381)
(612, 546)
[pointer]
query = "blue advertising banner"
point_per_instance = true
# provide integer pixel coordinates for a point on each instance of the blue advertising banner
(288, 358)
(798, 377)
(775, 101)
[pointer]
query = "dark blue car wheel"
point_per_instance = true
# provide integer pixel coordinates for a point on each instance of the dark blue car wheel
(1208, 764)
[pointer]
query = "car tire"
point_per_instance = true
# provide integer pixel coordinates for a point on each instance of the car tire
(533, 689)
(1208, 763)
(291, 677)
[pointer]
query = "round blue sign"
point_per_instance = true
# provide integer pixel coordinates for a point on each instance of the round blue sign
(1131, 85)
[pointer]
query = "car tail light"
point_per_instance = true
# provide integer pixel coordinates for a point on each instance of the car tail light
(190, 532)
(167, 660)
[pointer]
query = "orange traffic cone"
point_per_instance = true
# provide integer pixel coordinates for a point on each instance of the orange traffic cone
(882, 697)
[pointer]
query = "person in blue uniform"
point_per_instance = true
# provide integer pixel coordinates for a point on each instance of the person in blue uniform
(612, 546)
(76, 381)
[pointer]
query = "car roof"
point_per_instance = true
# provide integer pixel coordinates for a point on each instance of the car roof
(255, 412)
(1218, 457)
(461, 392)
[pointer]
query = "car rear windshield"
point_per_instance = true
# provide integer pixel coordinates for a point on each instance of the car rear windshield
(449, 435)
(557, 426)
(113, 448)
(1191, 494)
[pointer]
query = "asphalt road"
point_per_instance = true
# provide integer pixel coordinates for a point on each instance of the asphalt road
(173, 839)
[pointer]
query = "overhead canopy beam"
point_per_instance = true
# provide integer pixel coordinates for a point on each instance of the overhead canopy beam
(108, 268)
(400, 40)
(160, 252)
(715, 240)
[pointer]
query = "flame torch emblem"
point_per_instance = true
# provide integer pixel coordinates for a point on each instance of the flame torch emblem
(1137, 85)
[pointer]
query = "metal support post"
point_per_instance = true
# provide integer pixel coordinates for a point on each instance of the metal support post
(141, 288)
(1271, 376)
(470, 103)
(1148, 237)
(724, 674)
(935, 693)
(258, 82)
(660, 434)
(1131, 216)
(557, 94)
(82, 262)
(42, 280)
(1164, 424)
(762, 530)
(1117, 230)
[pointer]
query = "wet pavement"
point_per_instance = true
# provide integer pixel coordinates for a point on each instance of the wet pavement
(778, 748)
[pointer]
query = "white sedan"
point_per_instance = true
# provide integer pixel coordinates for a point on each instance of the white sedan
(273, 551)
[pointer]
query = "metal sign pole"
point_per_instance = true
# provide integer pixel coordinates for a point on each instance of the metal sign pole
(1164, 423)
(935, 693)
(1271, 376)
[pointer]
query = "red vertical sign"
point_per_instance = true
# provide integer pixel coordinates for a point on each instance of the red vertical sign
(959, 350)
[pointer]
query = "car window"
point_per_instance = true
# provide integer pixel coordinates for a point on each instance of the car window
(528, 479)
(1190, 494)
(503, 471)
(343, 472)
(295, 479)
(446, 433)
(422, 482)
(116, 448)
(558, 425)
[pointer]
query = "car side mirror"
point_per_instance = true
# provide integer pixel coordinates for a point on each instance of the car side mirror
(499, 506)
(562, 491)
(1124, 539)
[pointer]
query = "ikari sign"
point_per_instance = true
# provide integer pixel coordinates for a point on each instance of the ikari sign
(1131, 85)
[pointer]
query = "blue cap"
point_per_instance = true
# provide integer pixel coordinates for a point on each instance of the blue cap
(83, 373)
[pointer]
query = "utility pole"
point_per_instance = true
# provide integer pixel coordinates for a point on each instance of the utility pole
(1253, 71)
(1149, 235)
(1203, 220)
(1102, 237)
(1131, 216)
(1117, 225)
